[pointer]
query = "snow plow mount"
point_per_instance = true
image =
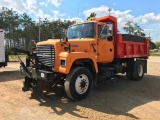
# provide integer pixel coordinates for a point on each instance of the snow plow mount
(30, 57)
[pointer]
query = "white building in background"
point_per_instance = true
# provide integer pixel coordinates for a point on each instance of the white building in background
(3, 56)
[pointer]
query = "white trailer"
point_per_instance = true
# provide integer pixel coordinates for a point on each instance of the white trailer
(3, 55)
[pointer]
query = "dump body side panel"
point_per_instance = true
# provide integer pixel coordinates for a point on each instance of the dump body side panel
(129, 46)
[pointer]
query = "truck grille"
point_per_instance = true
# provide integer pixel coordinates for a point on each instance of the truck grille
(45, 54)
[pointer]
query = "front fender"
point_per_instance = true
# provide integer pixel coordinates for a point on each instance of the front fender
(71, 57)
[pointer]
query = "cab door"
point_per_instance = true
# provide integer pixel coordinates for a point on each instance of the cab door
(105, 45)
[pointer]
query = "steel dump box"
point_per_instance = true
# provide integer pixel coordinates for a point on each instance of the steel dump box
(129, 46)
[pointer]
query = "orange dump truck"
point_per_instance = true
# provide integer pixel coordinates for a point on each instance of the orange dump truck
(92, 52)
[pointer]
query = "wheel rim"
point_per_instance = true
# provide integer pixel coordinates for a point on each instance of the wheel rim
(140, 70)
(81, 84)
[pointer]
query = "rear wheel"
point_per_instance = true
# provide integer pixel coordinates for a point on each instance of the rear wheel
(135, 70)
(78, 83)
(138, 70)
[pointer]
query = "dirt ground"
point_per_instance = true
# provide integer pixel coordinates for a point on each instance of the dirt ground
(117, 99)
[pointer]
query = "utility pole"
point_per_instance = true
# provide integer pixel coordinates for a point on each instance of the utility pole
(39, 29)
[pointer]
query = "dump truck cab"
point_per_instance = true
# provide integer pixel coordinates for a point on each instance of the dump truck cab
(91, 40)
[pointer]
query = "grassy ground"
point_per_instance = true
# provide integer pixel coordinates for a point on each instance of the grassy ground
(14, 58)
(154, 54)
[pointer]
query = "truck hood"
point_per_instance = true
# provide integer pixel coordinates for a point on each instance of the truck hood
(77, 45)
(49, 42)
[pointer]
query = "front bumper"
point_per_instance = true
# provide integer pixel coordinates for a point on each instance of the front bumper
(42, 74)
(39, 74)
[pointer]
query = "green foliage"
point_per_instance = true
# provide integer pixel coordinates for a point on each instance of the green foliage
(152, 45)
(133, 29)
(9, 51)
(92, 15)
(20, 29)
(154, 54)
(157, 45)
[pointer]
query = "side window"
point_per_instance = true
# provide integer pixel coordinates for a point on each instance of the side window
(102, 31)
(110, 28)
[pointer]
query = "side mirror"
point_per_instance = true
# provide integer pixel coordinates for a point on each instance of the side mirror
(64, 40)
(110, 38)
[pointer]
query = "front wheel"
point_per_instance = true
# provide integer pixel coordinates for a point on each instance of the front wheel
(78, 83)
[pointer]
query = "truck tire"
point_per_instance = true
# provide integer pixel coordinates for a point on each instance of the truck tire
(78, 83)
(129, 70)
(138, 70)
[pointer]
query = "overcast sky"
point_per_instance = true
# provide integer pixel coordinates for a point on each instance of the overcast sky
(145, 12)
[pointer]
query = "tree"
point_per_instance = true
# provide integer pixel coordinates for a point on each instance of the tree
(133, 29)
(57, 28)
(152, 45)
(92, 15)
(20, 29)
(10, 23)
(157, 45)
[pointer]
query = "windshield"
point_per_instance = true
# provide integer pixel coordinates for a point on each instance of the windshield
(79, 31)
